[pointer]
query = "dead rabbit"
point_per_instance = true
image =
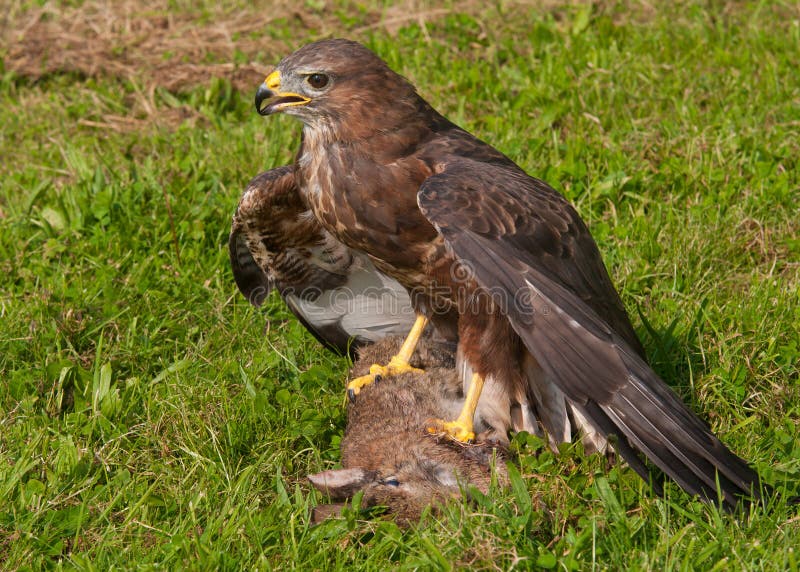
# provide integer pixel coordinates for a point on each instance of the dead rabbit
(387, 452)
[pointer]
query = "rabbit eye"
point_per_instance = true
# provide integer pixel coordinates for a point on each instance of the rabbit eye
(391, 482)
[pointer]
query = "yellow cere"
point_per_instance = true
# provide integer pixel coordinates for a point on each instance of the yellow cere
(273, 80)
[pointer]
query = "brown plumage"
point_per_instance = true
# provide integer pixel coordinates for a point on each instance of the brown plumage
(386, 452)
(504, 257)
(335, 292)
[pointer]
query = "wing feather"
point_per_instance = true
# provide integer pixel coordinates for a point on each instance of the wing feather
(336, 293)
(561, 302)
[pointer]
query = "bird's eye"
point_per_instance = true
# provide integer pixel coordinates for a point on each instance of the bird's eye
(391, 482)
(317, 80)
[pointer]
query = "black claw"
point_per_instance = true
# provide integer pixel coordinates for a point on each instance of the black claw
(351, 395)
(378, 378)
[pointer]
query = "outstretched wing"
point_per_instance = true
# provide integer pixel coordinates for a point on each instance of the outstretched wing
(335, 292)
(520, 236)
(269, 200)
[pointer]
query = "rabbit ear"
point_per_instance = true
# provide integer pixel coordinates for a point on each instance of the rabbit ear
(342, 483)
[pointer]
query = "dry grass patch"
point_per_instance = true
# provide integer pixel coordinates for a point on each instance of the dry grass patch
(141, 38)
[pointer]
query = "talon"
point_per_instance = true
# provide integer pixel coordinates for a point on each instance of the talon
(461, 429)
(378, 373)
(397, 365)
(456, 430)
(351, 395)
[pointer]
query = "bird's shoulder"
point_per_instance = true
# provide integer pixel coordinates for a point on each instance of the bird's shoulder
(476, 184)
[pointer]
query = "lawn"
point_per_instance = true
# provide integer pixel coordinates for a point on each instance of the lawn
(150, 418)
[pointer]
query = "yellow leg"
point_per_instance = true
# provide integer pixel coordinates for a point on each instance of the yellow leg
(397, 365)
(462, 429)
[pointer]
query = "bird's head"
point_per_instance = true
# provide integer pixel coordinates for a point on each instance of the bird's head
(334, 83)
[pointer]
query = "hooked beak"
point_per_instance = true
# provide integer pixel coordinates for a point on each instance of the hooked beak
(276, 100)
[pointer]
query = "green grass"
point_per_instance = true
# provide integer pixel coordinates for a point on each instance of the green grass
(148, 419)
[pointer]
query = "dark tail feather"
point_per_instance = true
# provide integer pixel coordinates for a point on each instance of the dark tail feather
(655, 422)
(633, 457)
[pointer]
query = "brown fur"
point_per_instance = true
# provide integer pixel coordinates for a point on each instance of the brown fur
(386, 439)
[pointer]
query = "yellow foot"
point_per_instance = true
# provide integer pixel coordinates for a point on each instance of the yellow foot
(376, 372)
(456, 430)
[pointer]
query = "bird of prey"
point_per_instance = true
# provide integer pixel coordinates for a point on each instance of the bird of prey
(480, 244)
(335, 292)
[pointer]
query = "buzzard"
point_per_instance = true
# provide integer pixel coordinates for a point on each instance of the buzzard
(493, 252)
